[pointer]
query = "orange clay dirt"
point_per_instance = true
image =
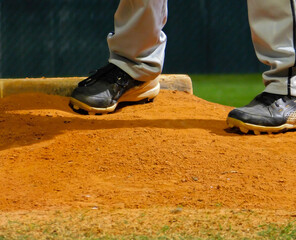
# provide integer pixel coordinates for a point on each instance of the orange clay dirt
(176, 151)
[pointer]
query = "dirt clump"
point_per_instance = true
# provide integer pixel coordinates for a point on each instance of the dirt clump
(176, 151)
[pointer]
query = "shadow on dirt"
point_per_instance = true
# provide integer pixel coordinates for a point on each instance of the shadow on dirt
(26, 129)
(22, 124)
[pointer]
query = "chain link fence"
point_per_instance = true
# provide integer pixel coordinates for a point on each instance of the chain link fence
(68, 37)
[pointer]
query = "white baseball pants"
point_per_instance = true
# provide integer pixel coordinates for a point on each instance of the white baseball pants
(272, 25)
(138, 44)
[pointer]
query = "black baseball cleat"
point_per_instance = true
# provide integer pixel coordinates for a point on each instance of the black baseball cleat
(107, 87)
(268, 112)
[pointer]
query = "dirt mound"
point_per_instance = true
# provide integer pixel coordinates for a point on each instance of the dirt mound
(176, 151)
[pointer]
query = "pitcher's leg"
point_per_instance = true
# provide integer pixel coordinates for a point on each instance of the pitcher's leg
(138, 44)
(272, 25)
(136, 59)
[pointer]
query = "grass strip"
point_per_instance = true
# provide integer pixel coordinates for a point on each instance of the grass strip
(227, 89)
(157, 223)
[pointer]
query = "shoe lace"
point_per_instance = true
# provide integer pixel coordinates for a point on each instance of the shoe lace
(109, 73)
(268, 98)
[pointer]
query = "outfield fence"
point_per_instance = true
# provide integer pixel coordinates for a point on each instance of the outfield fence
(68, 37)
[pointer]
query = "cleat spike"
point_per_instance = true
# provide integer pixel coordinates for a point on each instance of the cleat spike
(91, 113)
(150, 100)
(75, 107)
(256, 132)
(244, 130)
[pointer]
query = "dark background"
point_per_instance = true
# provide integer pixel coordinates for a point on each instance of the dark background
(68, 37)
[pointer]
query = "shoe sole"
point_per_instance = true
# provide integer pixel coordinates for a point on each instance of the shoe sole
(257, 129)
(147, 91)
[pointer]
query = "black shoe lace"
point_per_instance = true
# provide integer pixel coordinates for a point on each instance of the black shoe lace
(268, 98)
(109, 73)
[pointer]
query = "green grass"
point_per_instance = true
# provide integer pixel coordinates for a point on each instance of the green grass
(268, 232)
(149, 224)
(274, 231)
(227, 89)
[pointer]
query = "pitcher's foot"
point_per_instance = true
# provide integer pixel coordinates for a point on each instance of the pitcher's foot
(107, 87)
(268, 112)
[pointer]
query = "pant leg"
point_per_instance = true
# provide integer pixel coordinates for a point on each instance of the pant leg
(138, 44)
(272, 25)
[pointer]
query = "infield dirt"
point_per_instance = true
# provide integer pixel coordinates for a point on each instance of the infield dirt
(175, 152)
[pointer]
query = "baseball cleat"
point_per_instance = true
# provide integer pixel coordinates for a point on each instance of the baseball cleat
(109, 86)
(267, 113)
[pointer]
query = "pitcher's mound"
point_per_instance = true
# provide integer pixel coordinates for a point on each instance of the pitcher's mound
(175, 151)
